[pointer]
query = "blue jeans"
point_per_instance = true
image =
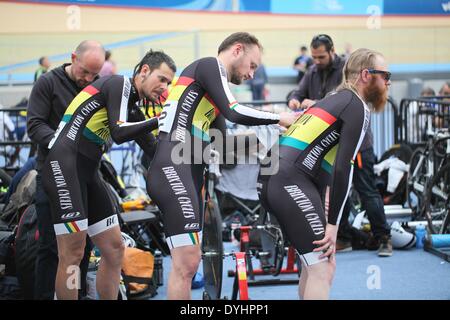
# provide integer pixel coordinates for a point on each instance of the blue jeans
(364, 184)
(257, 92)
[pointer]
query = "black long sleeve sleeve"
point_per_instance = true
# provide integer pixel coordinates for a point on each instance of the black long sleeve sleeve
(212, 76)
(121, 128)
(355, 123)
(147, 140)
(38, 113)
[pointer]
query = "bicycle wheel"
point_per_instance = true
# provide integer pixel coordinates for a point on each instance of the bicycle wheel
(415, 182)
(212, 248)
(437, 204)
(272, 242)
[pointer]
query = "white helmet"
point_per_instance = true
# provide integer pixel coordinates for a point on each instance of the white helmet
(401, 239)
(128, 241)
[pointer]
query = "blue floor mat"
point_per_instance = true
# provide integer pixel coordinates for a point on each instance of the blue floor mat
(361, 275)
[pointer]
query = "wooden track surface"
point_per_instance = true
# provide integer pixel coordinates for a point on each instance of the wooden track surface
(28, 31)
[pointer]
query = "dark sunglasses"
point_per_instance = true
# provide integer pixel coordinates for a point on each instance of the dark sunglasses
(386, 74)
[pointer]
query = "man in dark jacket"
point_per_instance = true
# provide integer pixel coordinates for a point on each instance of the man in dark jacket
(51, 95)
(321, 78)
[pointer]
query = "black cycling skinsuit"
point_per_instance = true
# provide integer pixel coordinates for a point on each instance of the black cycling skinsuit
(80, 199)
(315, 170)
(193, 106)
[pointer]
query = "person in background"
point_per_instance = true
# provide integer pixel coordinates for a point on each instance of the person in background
(302, 63)
(348, 49)
(427, 92)
(258, 83)
(323, 77)
(44, 65)
(445, 89)
(109, 67)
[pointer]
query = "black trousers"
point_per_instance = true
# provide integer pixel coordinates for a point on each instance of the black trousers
(47, 255)
(364, 184)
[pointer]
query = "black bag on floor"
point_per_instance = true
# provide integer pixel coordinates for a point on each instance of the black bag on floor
(21, 198)
(26, 250)
(10, 288)
(7, 252)
(9, 284)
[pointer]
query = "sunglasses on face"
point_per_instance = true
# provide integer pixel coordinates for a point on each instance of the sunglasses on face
(386, 74)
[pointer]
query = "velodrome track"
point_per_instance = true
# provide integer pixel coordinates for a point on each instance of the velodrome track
(28, 31)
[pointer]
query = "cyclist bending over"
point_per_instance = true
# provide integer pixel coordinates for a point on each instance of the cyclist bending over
(316, 154)
(194, 104)
(80, 200)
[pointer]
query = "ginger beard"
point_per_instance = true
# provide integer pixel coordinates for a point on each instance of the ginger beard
(376, 95)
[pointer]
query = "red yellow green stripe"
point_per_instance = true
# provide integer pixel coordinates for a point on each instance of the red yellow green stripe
(216, 110)
(194, 237)
(233, 104)
(184, 81)
(322, 114)
(72, 227)
(91, 90)
(80, 98)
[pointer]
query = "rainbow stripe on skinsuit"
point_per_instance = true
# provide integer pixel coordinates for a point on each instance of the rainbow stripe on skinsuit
(306, 129)
(72, 227)
(96, 129)
(194, 237)
(84, 95)
(184, 239)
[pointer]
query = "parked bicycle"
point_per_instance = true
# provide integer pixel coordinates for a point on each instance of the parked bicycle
(437, 198)
(425, 162)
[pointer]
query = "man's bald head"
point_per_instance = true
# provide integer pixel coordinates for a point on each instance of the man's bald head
(89, 45)
(87, 61)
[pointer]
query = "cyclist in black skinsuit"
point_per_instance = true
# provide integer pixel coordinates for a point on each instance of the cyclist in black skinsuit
(79, 198)
(308, 193)
(194, 104)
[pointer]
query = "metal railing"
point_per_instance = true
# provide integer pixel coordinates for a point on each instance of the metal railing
(413, 118)
(15, 147)
(391, 126)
